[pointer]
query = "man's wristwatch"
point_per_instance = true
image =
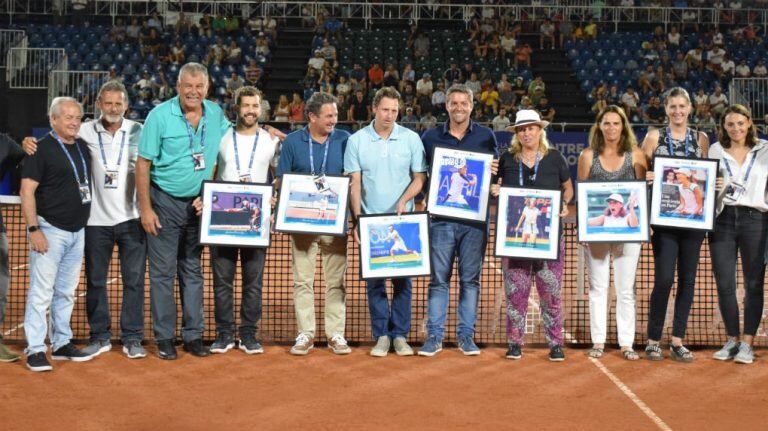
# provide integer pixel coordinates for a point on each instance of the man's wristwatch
(33, 229)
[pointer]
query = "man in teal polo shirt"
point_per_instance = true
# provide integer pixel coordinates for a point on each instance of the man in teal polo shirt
(177, 152)
(386, 162)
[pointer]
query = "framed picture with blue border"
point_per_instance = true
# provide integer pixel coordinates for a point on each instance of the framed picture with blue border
(313, 205)
(528, 223)
(236, 214)
(683, 193)
(459, 184)
(394, 245)
(612, 211)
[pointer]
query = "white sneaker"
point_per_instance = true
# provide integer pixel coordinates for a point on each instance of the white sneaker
(338, 345)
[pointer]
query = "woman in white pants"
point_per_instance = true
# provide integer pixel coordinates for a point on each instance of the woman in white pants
(612, 155)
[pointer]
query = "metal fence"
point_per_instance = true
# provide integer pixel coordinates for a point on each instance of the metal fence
(10, 39)
(28, 68)
(82, 85)
(752, 93)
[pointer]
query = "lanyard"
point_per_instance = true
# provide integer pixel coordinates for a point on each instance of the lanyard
(237, 155)
(669, 142)
(535, 168)
(749, 168)
(104, 155)
(312, 156)
(191, 133)
(72, 162)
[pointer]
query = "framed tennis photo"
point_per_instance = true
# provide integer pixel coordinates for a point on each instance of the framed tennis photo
(236, 214)
(459, 184)
(528, 223)
(683, 193)
(394, 246)
(313, 205)
(614, 211)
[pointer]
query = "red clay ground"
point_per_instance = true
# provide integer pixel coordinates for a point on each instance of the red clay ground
(323, 391)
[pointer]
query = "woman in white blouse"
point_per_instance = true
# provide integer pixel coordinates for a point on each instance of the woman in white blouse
(740, 228)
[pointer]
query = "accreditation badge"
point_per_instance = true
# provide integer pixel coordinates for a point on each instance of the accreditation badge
(199, 160)
(110, 179)
(85, 193)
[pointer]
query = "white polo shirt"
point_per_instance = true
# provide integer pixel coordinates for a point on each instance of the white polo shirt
(112, 206)
(264, 156)
(755, 194)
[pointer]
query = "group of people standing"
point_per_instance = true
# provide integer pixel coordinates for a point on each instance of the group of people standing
(89, 186)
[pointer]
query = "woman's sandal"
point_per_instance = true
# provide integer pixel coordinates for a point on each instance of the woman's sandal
(595, 352)
(680, 353)
(630, 355)
(653, 352)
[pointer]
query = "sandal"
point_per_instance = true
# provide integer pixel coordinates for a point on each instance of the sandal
(653, 352)
(680, 353)
(595, 353)
(630, 354)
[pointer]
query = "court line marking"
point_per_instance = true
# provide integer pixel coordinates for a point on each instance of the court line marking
(631, 395)
(21, 325)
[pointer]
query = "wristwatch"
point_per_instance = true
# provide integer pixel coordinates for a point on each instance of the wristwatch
(33, 229)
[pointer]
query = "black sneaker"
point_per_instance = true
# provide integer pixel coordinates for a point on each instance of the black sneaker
(38, 362)
(223, 343)
(69, 352)
(166, 350)
(556, 354)
(250, 345)
(196, 348)
(514, 351)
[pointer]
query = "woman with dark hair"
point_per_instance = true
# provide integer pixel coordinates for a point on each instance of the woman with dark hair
(740, 229)
(612, 155)
(675, 246)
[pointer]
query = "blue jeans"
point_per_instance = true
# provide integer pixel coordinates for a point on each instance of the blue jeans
(53, 279)
(394, 321)
(451, 239)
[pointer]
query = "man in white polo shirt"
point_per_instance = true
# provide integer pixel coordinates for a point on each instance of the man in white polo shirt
(114, 219)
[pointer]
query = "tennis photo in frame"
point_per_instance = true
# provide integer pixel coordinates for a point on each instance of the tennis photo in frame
(236, 214)
(459, 185)
(615, 211)
(394, 246)
(528, 223)
(316, 205)
(683, 194)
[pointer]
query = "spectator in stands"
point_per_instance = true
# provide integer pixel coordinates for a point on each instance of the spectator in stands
(519, 88)
(269, 27)
(537, 88)
(523, 55)
(316, 62)
(156, 22)
(133, 30)
(500, 122)
(234, 53)
(328, 51)
(266, 109)
(599, 105)
(439, 98)
(219, 24)
(481, 46)
(145, 84)
(489, 98)
(700, 102)
(164, 89)
(452, 74)
(177, 55)
(421, 45)
(525, 103)
(565, 32)
(680, 67)
(342, 88)
(375, 76)
(547, 34)
(694, 58)
(327, 74)
(333, 26)
(508, 44)
(590, 30)
(118, 31)
(296, 109)
(183, 25)
(408, 76)
(232, 24)
(467, 70)
(742, 70)
(654, 113)
(391, 76)
(673, 38)
(706, 123)
(410, 120)
(428, 121)
(613, 97)
(474, 84)
(715, 58)
(506, 97)
(283, 109)
(424, 86)
(253, 74)
(359, 110)
(718, 102)
(630, 101)
(234, 83)
(206, 25)
(545, 111)
(760, 71)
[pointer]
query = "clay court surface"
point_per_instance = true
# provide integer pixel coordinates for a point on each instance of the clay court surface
(323, 391)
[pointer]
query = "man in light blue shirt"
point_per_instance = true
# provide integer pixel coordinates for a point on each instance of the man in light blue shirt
(387, 165)
(177, 152)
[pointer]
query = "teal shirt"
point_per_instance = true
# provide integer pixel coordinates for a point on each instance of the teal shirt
(165, 142)
(385, 166)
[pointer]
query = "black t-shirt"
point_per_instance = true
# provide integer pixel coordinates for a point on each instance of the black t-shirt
(360, 109)
(58, 195)
(553, 171)
(10, 155)
(655, 113)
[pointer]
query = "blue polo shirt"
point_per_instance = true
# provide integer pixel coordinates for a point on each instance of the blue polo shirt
(294, 156)
(165, 142)
(385, 165)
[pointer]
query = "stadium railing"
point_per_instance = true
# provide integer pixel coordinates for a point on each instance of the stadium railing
(752, 93)
(29, 68)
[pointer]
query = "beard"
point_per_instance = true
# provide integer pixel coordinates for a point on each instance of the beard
(112, 118)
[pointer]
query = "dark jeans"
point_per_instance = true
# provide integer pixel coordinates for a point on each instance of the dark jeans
(175, 251)
(132, 251)
(448, 240)
(224, 264)
(739, 229)
(5, 277)
(670, 247)
(394, 321)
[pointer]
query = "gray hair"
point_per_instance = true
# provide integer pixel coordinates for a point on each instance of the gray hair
(193, 69)
(55, 109)
(317, 100)
(113, 85)
(460, 88)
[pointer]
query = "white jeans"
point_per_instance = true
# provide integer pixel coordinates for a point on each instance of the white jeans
(625, 257)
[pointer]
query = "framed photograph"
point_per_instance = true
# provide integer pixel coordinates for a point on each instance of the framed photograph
(459, 184)
(394, 246)
(236, 214)
(683, 194)
(614, 211)
(528, 223)
(313, 205)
